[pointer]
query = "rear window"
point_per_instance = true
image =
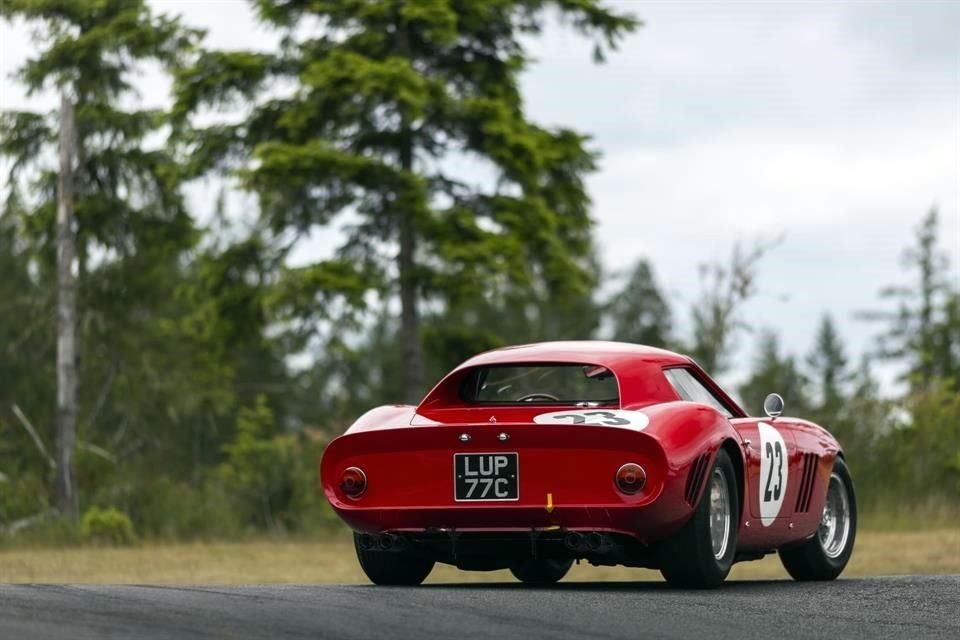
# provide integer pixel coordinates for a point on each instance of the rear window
(541, 384)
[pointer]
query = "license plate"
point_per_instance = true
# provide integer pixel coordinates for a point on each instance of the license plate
(486, 477)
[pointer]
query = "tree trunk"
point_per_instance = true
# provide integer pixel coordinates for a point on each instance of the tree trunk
(409, 314)
(926, 261)
(66, 494)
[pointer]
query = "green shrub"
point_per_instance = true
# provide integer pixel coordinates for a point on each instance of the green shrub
(261, 470)
(106, 526)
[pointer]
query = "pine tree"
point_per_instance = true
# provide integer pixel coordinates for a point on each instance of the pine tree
(115, 198)
(639, 312)
(774, 372)
(383, 95)
(923, 330)
(828, 366)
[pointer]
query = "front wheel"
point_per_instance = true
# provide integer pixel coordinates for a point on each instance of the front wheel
(541, 571)
(700, 555)
(825, 555)
(395, 568)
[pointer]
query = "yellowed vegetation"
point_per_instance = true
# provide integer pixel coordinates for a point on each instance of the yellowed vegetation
(888, 553)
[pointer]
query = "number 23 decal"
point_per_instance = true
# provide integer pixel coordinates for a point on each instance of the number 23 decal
(597, 417)
(775, 453)
(774, 473)
(604, 417)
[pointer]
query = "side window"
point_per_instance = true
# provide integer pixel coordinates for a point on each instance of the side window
(691, 390)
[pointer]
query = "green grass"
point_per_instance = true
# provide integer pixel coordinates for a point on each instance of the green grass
(332, 561)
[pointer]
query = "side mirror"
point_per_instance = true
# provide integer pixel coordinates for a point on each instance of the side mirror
(773, 405)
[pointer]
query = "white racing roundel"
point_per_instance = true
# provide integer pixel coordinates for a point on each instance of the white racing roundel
(773, 473)
(636, 420)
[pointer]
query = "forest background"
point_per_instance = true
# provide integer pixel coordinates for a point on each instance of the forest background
(170, 374)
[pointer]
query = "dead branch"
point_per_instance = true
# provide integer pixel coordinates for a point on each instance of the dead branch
(34, 435)
(18, 525)
(97, 451)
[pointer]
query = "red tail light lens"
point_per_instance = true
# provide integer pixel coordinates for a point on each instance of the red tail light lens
(353, 482)
(630, 478)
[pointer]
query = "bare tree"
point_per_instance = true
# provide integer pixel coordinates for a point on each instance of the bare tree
(725, 287)
(66, 494)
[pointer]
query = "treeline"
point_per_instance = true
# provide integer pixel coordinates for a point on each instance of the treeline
(211, 369)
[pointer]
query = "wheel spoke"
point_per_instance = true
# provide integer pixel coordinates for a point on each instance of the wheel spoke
(719, 496)
(835, 522)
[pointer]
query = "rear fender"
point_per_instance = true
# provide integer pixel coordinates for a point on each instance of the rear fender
(691, 434)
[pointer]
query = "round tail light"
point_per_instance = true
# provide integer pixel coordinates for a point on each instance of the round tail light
(630, 478)
(353, 482)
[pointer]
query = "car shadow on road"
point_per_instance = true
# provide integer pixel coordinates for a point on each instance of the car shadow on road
(638, 586)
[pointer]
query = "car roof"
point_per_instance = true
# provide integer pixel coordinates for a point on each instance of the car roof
(600, 352)
(636, 367)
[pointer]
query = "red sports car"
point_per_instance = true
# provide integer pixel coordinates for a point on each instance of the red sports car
(531, 457)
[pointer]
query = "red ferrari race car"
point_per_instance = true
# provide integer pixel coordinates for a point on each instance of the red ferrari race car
(529, 458)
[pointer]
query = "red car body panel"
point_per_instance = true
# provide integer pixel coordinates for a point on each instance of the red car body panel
(566, 474)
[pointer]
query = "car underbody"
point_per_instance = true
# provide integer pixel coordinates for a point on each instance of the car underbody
(491, 551)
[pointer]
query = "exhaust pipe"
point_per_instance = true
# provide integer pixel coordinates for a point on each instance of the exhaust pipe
(379, 542)
(573, 541)
(594, 541)
(389, 541)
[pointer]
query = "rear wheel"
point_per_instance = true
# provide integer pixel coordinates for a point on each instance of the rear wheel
(396, 567)
(541, 571)
(825, 555)
(700, 555)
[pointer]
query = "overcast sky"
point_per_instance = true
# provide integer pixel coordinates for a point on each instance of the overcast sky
(834, 124)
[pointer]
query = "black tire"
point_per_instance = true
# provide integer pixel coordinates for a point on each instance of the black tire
(687, 559)
(541, 571)
(810, 560)
(392, 568)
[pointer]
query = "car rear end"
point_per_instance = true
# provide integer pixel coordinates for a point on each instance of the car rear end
(528, 459)
(497, 477)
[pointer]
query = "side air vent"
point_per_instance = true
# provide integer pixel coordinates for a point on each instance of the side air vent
(697, 472)
(807, 478)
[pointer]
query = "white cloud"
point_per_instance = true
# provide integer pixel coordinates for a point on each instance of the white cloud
(835, 124)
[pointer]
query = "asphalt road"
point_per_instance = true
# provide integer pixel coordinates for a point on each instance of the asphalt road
(907, 607)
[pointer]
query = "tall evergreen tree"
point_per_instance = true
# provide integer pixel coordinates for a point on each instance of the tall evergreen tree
(774, 372)
(639, 312)
(382, 96)
(828, 366)
(115, 198)
(923, 330)
(946, 338)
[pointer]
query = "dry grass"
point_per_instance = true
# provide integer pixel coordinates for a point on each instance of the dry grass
(887, 553)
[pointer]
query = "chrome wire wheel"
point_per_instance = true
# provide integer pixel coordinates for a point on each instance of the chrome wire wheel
(719, 513)
(835, 521)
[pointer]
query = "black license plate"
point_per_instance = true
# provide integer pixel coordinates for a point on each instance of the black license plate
(486, 477)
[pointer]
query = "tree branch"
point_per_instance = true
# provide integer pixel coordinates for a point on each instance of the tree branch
(97, 451)
(17, 525)
(34, 435)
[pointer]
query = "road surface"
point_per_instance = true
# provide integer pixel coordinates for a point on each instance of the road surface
(901, 607)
